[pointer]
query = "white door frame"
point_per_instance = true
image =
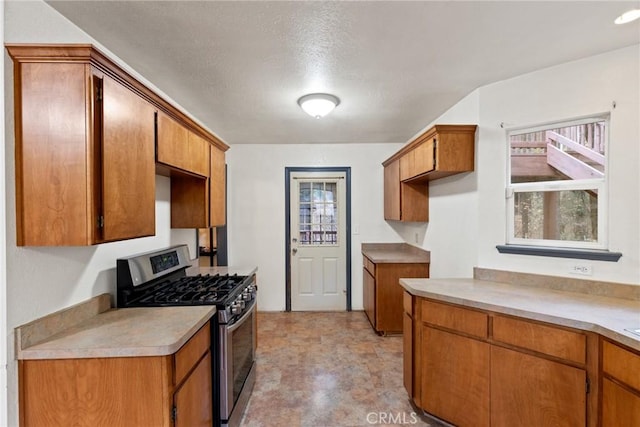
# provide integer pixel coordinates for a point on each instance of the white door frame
(287, 182)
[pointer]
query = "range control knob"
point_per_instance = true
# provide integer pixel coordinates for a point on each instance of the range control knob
(235, 308)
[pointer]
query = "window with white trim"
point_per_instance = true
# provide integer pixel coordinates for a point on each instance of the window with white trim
(557, 183)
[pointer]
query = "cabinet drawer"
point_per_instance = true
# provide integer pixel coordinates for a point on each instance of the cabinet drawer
(541, 338)
(621, 364)
(369, 265)
(191, 352)
(457, 318)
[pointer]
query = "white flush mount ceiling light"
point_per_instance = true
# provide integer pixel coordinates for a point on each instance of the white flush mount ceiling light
(628, 16)
(318, 105)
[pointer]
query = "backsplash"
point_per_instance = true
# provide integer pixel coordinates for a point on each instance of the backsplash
(568, 284)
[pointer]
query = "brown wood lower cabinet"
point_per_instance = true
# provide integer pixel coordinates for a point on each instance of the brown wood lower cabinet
(382, 293)
(455, 378)
(620, 386)
(620, 405)
(120, 391)
(528, 390)
(480, 368)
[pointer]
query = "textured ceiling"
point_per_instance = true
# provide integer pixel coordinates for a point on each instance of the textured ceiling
(239, 67)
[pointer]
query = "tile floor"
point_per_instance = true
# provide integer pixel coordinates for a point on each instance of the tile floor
(327, 370)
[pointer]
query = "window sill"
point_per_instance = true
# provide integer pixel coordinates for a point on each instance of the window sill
(596, 255)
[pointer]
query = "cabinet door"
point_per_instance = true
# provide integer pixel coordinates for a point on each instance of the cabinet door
(198, 155)
(193, 398)
(389, 293)
(392, 191)
(128, 164)
(217, 188)
(369, 296)
(181, 148)
(418, 161)
(404, 201)
(173, 142)
(424, 157)
(530, 390)
(407, 351)
(97, 392)
(455, 378)
(407, 165)
(51, 155)
(620, 406)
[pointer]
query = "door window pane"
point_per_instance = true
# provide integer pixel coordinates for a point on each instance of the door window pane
(330, 192)
(318, 192)
(305, 192)
(305, 213)
(318, 213)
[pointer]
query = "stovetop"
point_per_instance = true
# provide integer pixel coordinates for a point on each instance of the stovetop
(192, 290)
(159, 278)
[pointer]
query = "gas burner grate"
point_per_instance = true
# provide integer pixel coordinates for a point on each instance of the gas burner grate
(190, 290)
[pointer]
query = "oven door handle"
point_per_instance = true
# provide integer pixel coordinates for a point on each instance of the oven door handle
(243, 319)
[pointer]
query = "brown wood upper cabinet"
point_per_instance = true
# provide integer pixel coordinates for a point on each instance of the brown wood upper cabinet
(404, 201)
(86, 152)
(217, 188)
(198, 202)
(181, 148)
(441, 151)
(85, 170)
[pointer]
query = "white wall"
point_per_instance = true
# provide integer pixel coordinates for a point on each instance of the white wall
(453, 202)
(566, 91)
(42, 280)
(3, 252)
(468, 212)
(256, 207)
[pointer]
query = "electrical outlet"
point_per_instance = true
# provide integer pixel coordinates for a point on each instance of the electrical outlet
(583, 269)
(416, 237)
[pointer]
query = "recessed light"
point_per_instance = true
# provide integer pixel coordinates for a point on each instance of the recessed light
(628, 16)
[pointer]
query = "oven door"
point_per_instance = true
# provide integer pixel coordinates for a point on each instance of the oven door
(237, 354)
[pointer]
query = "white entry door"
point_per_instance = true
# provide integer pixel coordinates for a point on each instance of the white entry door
(318, 241)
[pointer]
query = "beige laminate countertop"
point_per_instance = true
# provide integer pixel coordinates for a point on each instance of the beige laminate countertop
(395, 253)
(126, 332)
(607, 316)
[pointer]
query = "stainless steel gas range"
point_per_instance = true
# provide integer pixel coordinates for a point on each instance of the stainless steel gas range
(166, 278)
